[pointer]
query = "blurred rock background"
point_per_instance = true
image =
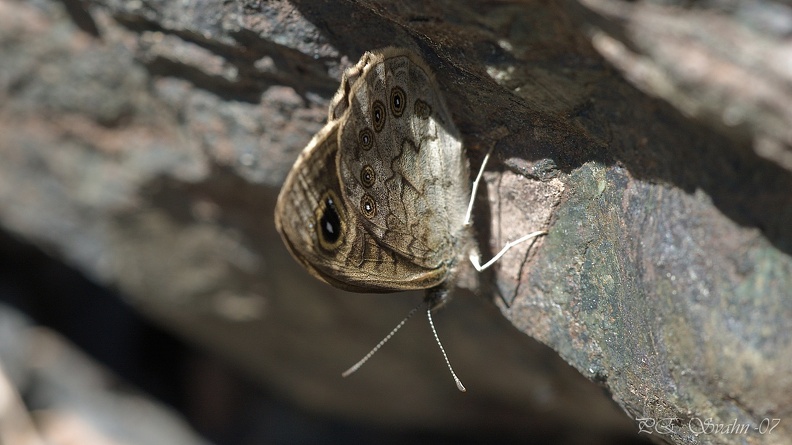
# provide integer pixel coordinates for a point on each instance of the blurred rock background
(148, 299)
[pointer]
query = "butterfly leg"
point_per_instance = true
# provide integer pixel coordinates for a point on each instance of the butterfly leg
(474, 256)
(476, 260)
(476, 185)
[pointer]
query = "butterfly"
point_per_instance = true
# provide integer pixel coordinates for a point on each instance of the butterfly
(380, 199)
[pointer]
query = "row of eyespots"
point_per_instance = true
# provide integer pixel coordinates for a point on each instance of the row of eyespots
(398, 99)
(368, 206)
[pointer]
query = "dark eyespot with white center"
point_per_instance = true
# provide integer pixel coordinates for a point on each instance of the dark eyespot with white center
(368, 206)
(366, 139)
(378, 115)
(397, 102)
(367, 176)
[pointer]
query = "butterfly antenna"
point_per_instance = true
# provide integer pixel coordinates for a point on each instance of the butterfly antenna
(458, 382)
(357, 365)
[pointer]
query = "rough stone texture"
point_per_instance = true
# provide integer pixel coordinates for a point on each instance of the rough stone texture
(145, 144)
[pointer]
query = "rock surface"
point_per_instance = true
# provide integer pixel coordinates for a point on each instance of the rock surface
(145, 143)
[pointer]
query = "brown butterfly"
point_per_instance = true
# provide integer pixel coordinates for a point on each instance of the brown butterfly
(377, 200)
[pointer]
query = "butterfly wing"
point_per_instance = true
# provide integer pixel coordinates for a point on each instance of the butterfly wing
(327, 238)
(401, 165)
